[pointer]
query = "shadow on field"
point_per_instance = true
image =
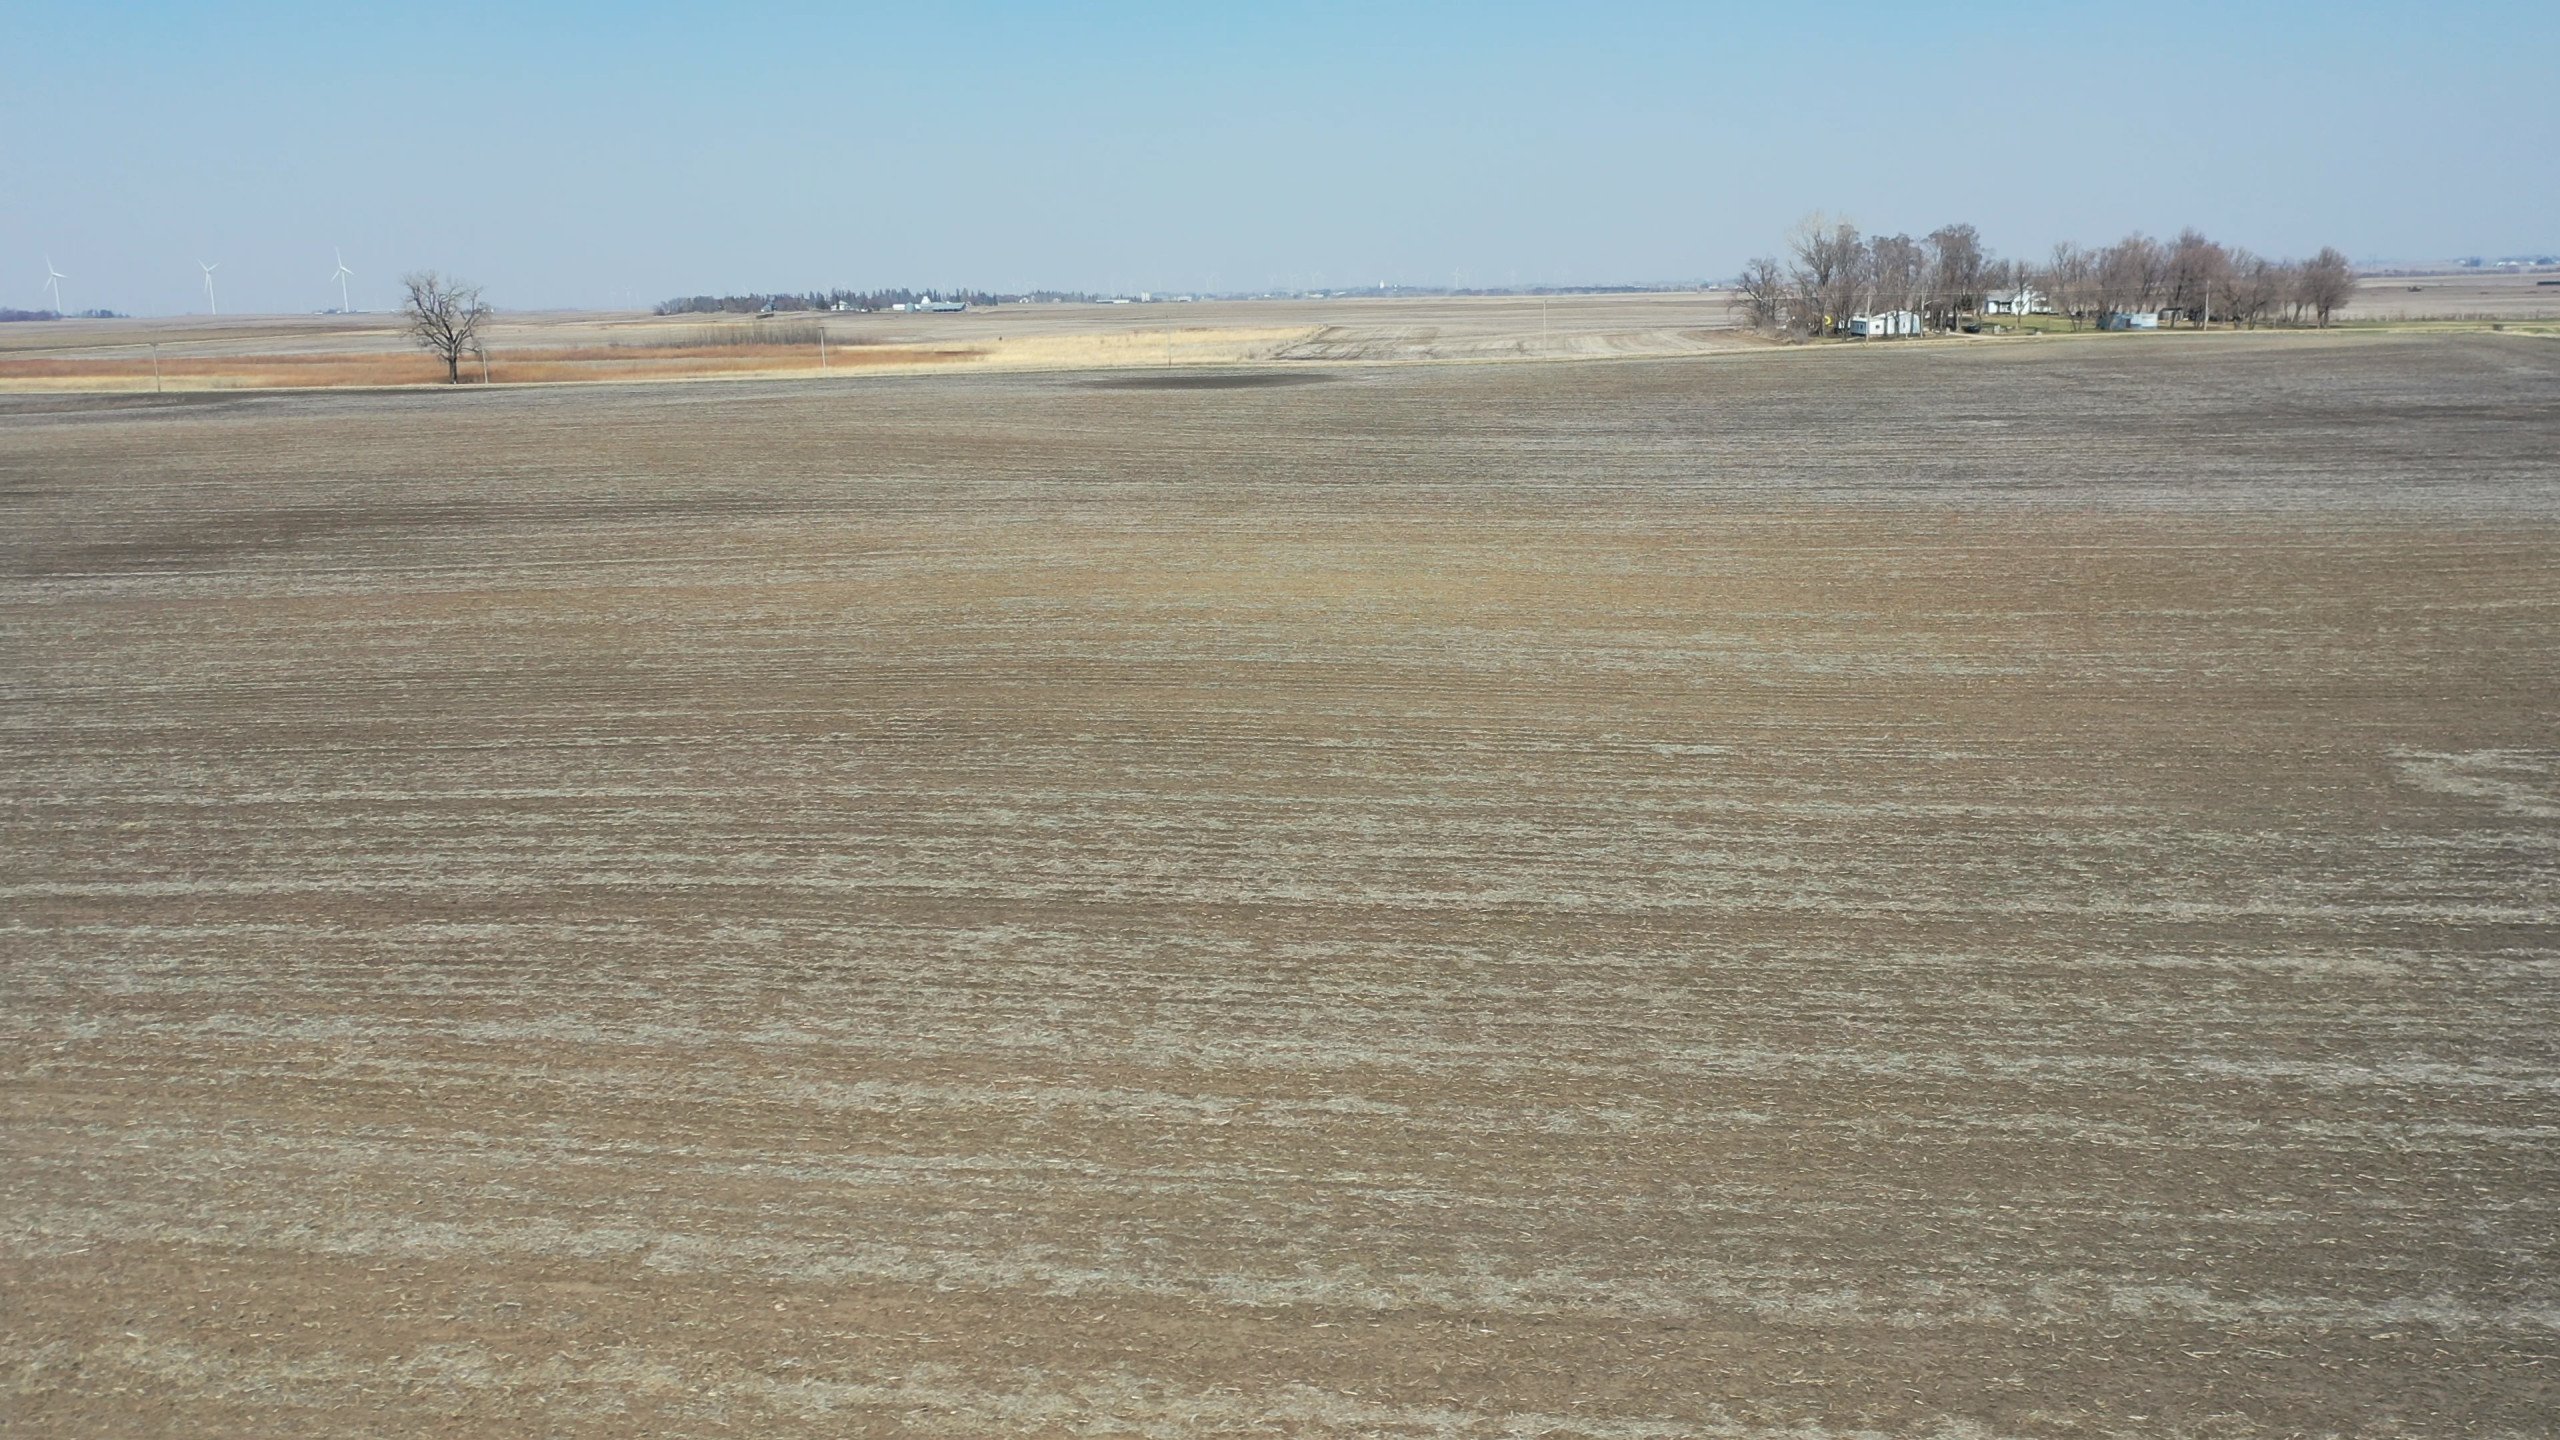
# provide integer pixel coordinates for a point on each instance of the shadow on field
(39, 402)
(1220, 380)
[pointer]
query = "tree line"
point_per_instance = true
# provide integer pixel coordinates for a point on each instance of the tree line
(779, 301)
(1831, 274)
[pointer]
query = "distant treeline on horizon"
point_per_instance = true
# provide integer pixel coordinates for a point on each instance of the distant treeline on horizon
(7, 315)
(786, 301)
(847, 299)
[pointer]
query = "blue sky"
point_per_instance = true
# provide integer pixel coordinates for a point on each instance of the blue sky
(577, 154)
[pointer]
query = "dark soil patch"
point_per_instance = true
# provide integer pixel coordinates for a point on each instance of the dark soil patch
(1212, 380)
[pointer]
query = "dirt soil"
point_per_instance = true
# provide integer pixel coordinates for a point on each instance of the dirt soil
(1989, 892)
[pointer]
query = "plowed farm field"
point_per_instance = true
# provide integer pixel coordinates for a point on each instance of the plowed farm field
(2008, 891)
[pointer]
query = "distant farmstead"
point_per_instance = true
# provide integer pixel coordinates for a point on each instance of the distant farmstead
(2023, 301)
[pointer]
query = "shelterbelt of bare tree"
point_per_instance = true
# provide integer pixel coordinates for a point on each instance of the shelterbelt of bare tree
(1831, 276)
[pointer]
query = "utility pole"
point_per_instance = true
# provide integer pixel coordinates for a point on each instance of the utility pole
(822, 345)
(155, 367)
(483, 352)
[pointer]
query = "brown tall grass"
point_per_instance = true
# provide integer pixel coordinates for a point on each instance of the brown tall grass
(612, 363)
(784, 332)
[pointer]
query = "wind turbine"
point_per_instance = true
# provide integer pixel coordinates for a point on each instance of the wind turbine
(53, 281)
(341, 278)
(208, 284)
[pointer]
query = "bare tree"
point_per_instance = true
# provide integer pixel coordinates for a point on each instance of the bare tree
(2199, 273)
(2002, 277)
(1761, 294)
(2129, 274)
(2252, 286)
(1830, 272)
(444, 318)
(2070, 281)
(1898, 271)
(2327, 282)
(1958, 267)
(2288, 290)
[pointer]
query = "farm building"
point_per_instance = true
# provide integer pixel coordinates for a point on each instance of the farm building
(1891, 322)
(2130, 320)
(2023, 301)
